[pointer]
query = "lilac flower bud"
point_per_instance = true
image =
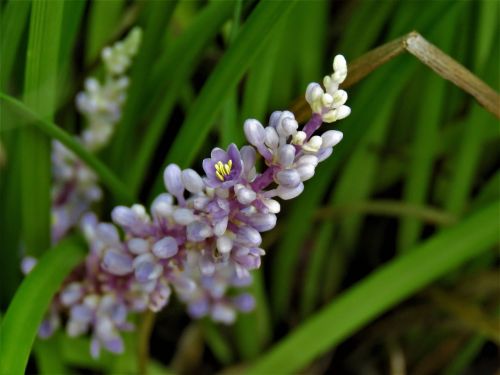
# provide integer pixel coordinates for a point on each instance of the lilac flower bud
(249, 236)
(184, 216)
(117, 263)
(224, 244)
(271, 138)
(248, 158)
(324, 153)
(192, 181)
(220, 226)
(308, 159)
(263, 222)
(223, 313)
(173, 180)
(290, 126)
(286, 155)
(275, 118)
(107, 233)
(198, 231)
(254, 132)
(289, 178)
(305, 172)
(72, 293)
(331, 138)
(27, 264)
(289, 193)
(165, 248)
(272, 205)
(245, 302)
(245, 195)
(146, 270)
(198, 308)
(162, 205)
(138, 246)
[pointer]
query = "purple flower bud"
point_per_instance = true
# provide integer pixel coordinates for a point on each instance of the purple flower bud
(249, 236)
(289, 178)
(290, 193)
(27, 264)
(244, 302)
(262, 222)
(198, 308)
(286, 155)
(146, 269)
(192, 181)
(272, 138)
(248, 157)
(138, 246)
(308, 159)
(114, 344)
(72, 293)
(165, 248)
(274, 118)
(107, 233)
(198, 231)
(173, 180)
(245, 195)
(324, 153)
(117, 263)
(254, 132)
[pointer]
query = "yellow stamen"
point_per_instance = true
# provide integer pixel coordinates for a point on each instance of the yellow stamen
(222, 170)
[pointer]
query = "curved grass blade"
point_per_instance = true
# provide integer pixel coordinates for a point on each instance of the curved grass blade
(106, 176)
(31, 301)
(226, 76)
(381, 290)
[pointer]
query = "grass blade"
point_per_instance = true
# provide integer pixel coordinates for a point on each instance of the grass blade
(26, 311)
(105, 174)
(40, 94)
(378, 292)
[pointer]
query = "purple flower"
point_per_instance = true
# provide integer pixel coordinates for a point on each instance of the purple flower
(223, 168)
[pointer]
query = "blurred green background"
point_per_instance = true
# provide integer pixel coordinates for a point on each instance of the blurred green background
(387, 264)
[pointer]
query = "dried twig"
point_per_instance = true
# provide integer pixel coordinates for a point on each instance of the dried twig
(428, 54)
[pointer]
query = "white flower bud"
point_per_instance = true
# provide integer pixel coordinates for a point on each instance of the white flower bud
(254, 132)
(138, 246)
(307, 159)
(272, 205)
(271, 138)
(305, 172)
(192, 181)
(331, 138)
(339, 98)
(343, 112)
(184, 216)
(286, 155)
(290, 193)
(299, 138)
(339, 64)
(313, 145)
(224, 244)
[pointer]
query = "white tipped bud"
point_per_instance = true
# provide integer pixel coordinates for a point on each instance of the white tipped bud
(286, 155)
(254, 132)
(314, 92)
(307, 159)
(327, 100)
(290, 193)
(305, 172)
(192, 181)
(244, 195)
(339, 64)
(289, 126)
(184, 216)
(313, 145)
(288, 178)
(299, 138)
(138, 246)
(173, 181)
(224, 244)
(339, 98)
(162, 205)
(343, 112)
(272, 205)
(271, 138)
(331, 138)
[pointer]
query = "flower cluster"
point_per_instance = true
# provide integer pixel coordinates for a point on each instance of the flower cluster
(202, 237)
(75, 185)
